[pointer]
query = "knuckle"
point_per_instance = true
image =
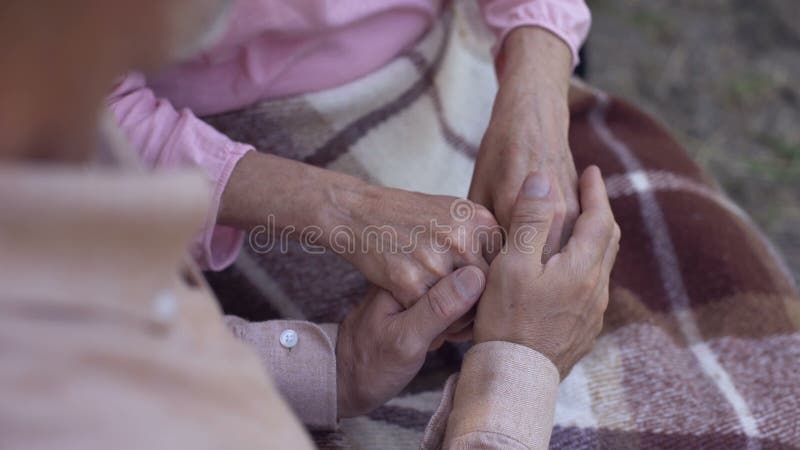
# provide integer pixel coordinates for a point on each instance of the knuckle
(602, 216)
(608, 223)
(597, 308)
(526, 216)
(404, 297)
(590, 279)
(560, 209)
(572, 207)
(433, 263)
(442, 305)
(415, 292)
(595, 274)
(586, 285)
(533, 214)
(596, 330)
(577, 261)
(404, 346)
(596, 222)
(483, 217)
(475, 260)
(603, 302)
(408, 278)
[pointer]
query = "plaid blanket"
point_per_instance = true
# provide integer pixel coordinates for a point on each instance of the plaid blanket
(701, 347)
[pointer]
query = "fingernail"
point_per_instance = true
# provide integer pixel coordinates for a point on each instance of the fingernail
(537, 185)
(469, 283)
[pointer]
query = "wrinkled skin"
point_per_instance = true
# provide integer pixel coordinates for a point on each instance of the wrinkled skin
(381, 345)
(554, 307)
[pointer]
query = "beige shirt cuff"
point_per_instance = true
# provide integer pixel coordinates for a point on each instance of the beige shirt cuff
(504, 397)
(305, 374)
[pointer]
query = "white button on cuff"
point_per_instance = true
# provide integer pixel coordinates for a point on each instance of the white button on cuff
(288, 338)
(164, 307)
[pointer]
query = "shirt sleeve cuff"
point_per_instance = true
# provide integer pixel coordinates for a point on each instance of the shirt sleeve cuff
(217, 246)
(305, 373)
(568, 20)
(505, 391)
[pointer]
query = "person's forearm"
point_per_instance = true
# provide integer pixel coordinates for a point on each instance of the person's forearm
(292, 193)
(534, 71)
(529, 128)
(535, 59)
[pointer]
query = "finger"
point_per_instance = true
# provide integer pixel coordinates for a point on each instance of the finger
(593, 191)
(556, 234)
(463, 322)
(488, 233)
(454, 338)
(382, 303)
(479, 193)
(436, 344)
(491, 239)
(609, 258)
(566, 211)
(595, 226)
(494, 245)
(452, 297)
(472, 259)
(409, 282)
(464, 335)
(532, 217)
(504, 204)
(569, 186)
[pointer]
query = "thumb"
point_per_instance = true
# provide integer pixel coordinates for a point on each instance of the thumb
(445, 302)
(531, 217)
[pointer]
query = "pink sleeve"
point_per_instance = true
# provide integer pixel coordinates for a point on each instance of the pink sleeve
(305, 372)
(166, 138)
(568, 19)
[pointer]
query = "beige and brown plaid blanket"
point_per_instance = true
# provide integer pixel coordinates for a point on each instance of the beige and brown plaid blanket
(701, 347)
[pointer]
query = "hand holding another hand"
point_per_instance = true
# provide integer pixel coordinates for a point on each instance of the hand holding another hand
(381, 345)
(556, 307)
(405, 242)
(529, 131)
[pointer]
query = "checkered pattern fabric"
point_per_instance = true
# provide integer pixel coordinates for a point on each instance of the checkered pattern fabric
(700, 347)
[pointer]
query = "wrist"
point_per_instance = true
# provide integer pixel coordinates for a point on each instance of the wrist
(293, 195)
(534, 83)
(530, 342)
(537, 59)
(523, 123)
(337, 207)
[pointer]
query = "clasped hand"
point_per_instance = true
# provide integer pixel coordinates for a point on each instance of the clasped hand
(554, 307)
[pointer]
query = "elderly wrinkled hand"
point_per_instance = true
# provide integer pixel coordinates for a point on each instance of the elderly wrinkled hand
(528, 131)
(405, 242)
(554, 307)
(381, 345)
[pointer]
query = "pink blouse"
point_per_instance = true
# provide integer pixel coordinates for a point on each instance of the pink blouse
(277, 48)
